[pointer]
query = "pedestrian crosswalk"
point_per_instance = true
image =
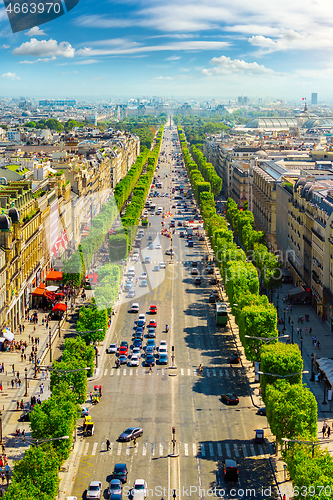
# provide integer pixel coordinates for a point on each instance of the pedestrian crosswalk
(182, 372)
(205, 450)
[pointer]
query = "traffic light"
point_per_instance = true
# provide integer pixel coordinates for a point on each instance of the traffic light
(173, 430)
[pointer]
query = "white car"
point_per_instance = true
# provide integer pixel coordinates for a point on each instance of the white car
(162, 350)
(162, 265)
(142, 317)
(143, 276)
(163, 343)
(112, 349)
(139, 490)
(158, 247)
(136, 352)
(94, 489)
(135, 360)
(135, 307)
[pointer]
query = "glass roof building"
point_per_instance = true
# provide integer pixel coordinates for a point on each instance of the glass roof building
(272, 123)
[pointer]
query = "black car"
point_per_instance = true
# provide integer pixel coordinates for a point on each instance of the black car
(262, 411)
(130, 433)
(213, 281)
(287, 279)
(150, 360)
(230, 470)
(230, 399)
(210, 270)
(234, 358)
(25, 416)
(120, 472)
(212, 299)
(197, 281)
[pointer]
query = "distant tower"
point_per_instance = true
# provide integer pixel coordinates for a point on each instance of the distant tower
(314, 98)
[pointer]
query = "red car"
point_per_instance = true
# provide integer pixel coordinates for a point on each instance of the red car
(152, 323)
(153, 309)
(123, 350)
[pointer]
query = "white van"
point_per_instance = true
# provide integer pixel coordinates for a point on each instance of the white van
(131, 271)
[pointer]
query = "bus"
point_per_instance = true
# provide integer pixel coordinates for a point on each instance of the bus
(221, 313)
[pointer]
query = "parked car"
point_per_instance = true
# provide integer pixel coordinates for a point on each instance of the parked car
(135, 360)
(139, 490)
(130, 433)
(151, 333)
(115, 487)
(163, 359)
(150, 360)
(234, 358)
(197, 281)
(112, 349)
(262, 411)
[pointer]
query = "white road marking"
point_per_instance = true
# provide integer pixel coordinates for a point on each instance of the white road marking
(153, 449)
(128, 449)
(144, 449)
(194, 448)
(111, 448)
(261, 450)
(94, 449)
(124, 371)
(111, 372)
(227, 374)
(163, 371)
(189, 372)
(131, 371)
(220, 373)
(186, 449)
(137, 372)
(244, 450)
(236, 450)
(118, 373)
(182, 371)
(214, 372)
(161, 450)
(195, 372)
(136, 450)
(227, 447)
(85, 451)
(119, 449)
(202, 450)
(219, 449)
(211, 449)
(105, 372)
(253, 451)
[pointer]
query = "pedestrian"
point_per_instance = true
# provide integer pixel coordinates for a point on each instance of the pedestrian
(107, 445)
(323, 431)
(328, 431)
(23, 434)
(310, 331)
(13, 368)
(17, 405)
(318, 344)
(23, 327)
(91, 397)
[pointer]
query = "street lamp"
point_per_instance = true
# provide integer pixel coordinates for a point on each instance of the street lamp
(324, 381)
(266, 339)
(283, 376)
(50, 344)
(26, 381)
(284, 320)
(40, 441)
(301, 344)
(277, 303)
(292, 332)
(312, 371)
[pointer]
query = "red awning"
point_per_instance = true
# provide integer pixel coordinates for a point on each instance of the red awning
(92, 277)
(50, 295)
(54, 276)
(59, 307)
(38, 292)
(60, 293)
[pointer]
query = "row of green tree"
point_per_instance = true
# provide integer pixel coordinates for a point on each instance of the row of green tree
(197, 128)
(36, 475)
(144, 127)
(291, 407)
(207, 170)
(54, 124)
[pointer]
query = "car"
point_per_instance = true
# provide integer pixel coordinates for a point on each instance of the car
(143, 277)
(130, 433)
(136, 351)
(179, 224)
(124, 343)
(230, 399)
(230, 470)
(163, 343)
(140, 323)
(144, 283)
(151, 342)
(287, 279)
(149, 350)
(120, 472)
(162, 265)
(115, 487)
(142, 317)
(135, 307)
(150, 360)
(169, 252)
(163, 359)
(139, 332)
(213, 281)
(210, 270)
(150, 238)
(194, 271)
(137, 343)
(150, 246)
(112, 349)
(134, 361)
(84, 412)
(123, 350)
(234, 358)
(131, 294)
(153, 309)
(216, 293)
(147, 260)
(152, 323)
(197, 281)
(123, 359)
(262, 411)
(139, 490)
(212, 299)
(151, 333)
(158, 247)
(127, 287)
(25, 416)
(156, 268)
(94, 490)
(194, 263)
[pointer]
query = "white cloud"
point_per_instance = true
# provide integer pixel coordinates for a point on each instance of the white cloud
(4, 46)
(35, 31)
(191, 45)
(11, 76)
(163, 78)
(44, 48)
(293, 40)
(225, 66)
(173, 58)
(96, 21)
(43, 59)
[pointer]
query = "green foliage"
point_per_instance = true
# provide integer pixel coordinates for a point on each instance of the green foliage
(197, 127)
(291, 411)
(91, 318)
(70, 124)
(35, 476)
(144, 127)
(118, 246)
(76, 348)
(256, 321)
(109, 279)
(30, 124)
(280, 359)
(207, 170)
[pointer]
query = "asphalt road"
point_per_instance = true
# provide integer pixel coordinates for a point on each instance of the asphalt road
(207, 431)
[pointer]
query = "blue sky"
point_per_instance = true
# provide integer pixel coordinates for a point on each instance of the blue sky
(190, 49)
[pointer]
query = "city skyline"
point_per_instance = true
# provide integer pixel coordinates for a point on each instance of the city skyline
(194, 50)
